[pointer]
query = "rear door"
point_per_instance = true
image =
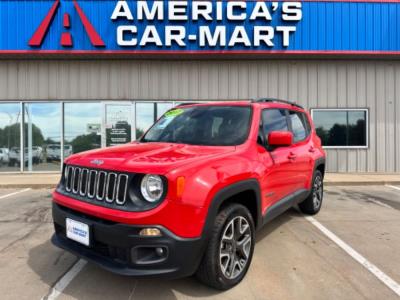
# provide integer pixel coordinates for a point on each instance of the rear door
(278, 180)
(301, 148)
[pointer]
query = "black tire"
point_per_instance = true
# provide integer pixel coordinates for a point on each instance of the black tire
(312, 205)
(210, 271)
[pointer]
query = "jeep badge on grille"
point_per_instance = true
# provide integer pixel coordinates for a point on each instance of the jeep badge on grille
(97, 162)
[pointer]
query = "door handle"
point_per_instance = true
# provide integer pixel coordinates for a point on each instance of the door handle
(311, 150)
(292, 156)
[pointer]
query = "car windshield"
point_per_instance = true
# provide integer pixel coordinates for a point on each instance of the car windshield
(202, 125)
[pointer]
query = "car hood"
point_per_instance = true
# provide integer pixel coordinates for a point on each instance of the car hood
(156, 158)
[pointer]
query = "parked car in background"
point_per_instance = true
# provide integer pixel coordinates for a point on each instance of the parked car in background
(4, 158)
(53, 152)
(15, 155)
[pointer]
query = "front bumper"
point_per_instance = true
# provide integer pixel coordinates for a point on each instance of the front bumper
(119, 248)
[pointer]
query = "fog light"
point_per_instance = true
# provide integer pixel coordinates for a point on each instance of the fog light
(150, 232)
(160, 252)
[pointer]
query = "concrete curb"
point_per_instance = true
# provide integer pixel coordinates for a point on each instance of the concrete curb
(361, 183)
(27, 186)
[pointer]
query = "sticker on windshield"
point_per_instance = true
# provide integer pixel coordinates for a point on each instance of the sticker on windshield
(173, 113)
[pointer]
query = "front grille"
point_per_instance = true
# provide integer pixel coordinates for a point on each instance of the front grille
(96, 185)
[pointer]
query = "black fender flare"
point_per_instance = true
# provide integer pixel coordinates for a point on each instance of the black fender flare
(227, 192)
(318, 162)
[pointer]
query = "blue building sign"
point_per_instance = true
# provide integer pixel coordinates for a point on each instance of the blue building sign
(106, 26)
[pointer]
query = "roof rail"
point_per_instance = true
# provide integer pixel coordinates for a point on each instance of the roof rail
(266, 100)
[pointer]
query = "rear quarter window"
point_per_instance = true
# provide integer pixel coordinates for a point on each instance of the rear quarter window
(300, 126)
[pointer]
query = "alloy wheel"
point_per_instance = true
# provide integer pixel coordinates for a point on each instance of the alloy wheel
(317, 192)
(235, 247)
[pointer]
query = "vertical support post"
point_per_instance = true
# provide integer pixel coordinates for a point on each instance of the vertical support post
(103, 141)
(22, 137)
(62, 136)
(133, 111)
(155, 112)
(30, 137)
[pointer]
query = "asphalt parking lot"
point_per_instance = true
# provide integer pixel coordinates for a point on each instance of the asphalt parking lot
(294, 259)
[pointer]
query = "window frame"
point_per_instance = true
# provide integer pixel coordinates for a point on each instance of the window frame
(261, 127)
(367, 130)
(302, 119)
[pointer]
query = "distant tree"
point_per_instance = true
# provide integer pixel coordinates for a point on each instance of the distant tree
(338, 135)
(357, 133)
(139, 133)
(37, 136)
(10, 136)
(323, 135)
(85, 142)
(50, 141)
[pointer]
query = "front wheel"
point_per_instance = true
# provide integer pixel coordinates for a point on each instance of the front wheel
(312, 205)
(230, 249)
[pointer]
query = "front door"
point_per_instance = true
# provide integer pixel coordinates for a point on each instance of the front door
(279, 179)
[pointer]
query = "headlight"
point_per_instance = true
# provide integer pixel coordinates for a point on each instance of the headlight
(152, 188)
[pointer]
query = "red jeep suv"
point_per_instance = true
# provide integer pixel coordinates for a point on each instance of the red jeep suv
(190, 194)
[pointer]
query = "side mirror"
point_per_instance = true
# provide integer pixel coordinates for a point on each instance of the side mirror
(280, 139)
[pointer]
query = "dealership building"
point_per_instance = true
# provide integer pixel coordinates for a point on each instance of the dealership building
(79, 75)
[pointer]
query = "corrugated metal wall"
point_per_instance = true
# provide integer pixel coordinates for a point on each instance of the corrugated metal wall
(365, 84)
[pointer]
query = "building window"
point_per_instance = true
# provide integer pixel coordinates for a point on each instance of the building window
(42, 136)
(82, 127)
(163, 107)
(342, 128)
(145, 115)
(10, 137)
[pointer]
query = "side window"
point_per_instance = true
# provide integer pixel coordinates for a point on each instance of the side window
(274, 120)
(299, 127)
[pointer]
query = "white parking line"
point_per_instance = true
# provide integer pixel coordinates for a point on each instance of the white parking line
(15, 193)
(65, 280)
(393, 187)
(379, 203)
(389, 282)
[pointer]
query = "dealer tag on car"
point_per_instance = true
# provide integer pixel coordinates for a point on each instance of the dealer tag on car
(77, 231)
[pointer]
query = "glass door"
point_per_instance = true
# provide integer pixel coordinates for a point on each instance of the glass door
(118, 124)
(42, 137)
(82, 126)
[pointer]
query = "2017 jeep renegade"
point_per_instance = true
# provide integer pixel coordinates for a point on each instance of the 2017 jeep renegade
(189, 196)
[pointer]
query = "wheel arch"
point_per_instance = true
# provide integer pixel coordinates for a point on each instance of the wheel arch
(232, 194)
(320, 164)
